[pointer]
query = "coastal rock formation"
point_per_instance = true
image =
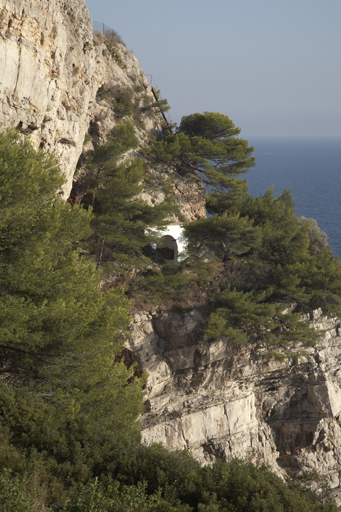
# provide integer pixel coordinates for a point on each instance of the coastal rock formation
(223, 401)
(47, 68)
(52, 69)
(58, 83)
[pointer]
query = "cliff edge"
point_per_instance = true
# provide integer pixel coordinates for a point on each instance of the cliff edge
(57, 84)
(223, 401)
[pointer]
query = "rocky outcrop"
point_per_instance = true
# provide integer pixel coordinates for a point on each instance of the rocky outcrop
(47, 67)
(221, 400)
(188, 196)
(51, 69)
(58, 82)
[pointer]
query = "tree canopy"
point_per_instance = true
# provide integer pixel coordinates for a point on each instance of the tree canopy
(206, 147)
(59, 332)
(68, 403)
(272, 260)
(122, 222)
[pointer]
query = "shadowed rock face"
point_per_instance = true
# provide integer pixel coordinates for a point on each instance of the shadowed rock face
(224, 401)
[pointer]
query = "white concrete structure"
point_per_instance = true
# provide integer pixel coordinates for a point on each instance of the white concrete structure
(174, 244)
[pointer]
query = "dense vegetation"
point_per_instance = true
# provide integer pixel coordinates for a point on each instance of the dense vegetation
(69, 406)
(273, 265)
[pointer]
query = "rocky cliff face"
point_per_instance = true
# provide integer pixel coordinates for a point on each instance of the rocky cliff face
(51, 69)
(220, 400)
(57, 83)
(47, 74)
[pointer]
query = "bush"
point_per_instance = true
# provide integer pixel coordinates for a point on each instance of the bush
(318, 238)
(123, 103)
(113, 37)
(18, 494)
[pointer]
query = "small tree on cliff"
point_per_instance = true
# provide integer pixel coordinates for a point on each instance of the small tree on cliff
(207, 147)
(122, 222)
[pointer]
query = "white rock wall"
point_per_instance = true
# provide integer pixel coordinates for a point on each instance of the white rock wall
(47, 66)
(50, 71)
(219, 400)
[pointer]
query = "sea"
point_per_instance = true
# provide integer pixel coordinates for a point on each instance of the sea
(311, 169)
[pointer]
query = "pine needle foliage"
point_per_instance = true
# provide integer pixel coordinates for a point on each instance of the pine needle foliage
(206, 147)
(122, 227)
(271, 262)
(59, 333)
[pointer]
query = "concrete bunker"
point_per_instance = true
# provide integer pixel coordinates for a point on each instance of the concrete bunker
(172, 247)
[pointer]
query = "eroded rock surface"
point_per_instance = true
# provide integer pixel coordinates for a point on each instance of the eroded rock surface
(47, 66)
(51, 70)
(220, 400)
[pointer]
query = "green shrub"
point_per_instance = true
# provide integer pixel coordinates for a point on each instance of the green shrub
(87, 138)
(114, 52)
(123, 104)
(18, 494)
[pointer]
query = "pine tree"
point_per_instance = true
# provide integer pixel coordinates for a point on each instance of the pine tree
(122, 225)
(58, 331)
(206, 147)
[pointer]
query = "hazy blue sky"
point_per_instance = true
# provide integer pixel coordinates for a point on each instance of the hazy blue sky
(273, 66)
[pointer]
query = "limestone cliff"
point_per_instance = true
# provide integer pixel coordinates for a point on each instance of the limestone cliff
(57, 83)
(51, 72)
(47, 75)
(220, 400)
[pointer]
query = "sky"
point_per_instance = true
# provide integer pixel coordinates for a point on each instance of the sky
(272, 66)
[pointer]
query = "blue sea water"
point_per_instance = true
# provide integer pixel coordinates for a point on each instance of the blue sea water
(311, 169)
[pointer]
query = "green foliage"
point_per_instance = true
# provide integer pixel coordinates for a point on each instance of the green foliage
(178, 480)
(63, 452)
(101, 93)
(124, 498)
(209, 125)
(180, 286)
(58, 331)
(18, 494)
(122, 226)
(156, 285)
(227, 198)
(176, 473)
(123, 103)
(159, 105)
(224, 234)
(68, 438)
(239, 486)
(298, 272)
(241, 312)
(283, 240)
(71, 465)
(138, 88)
(206, 147)
(87, 138)
(272, 260)
(127, 103)
(318, 239)
(245, 316)
(114, 52)
(122, 139)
